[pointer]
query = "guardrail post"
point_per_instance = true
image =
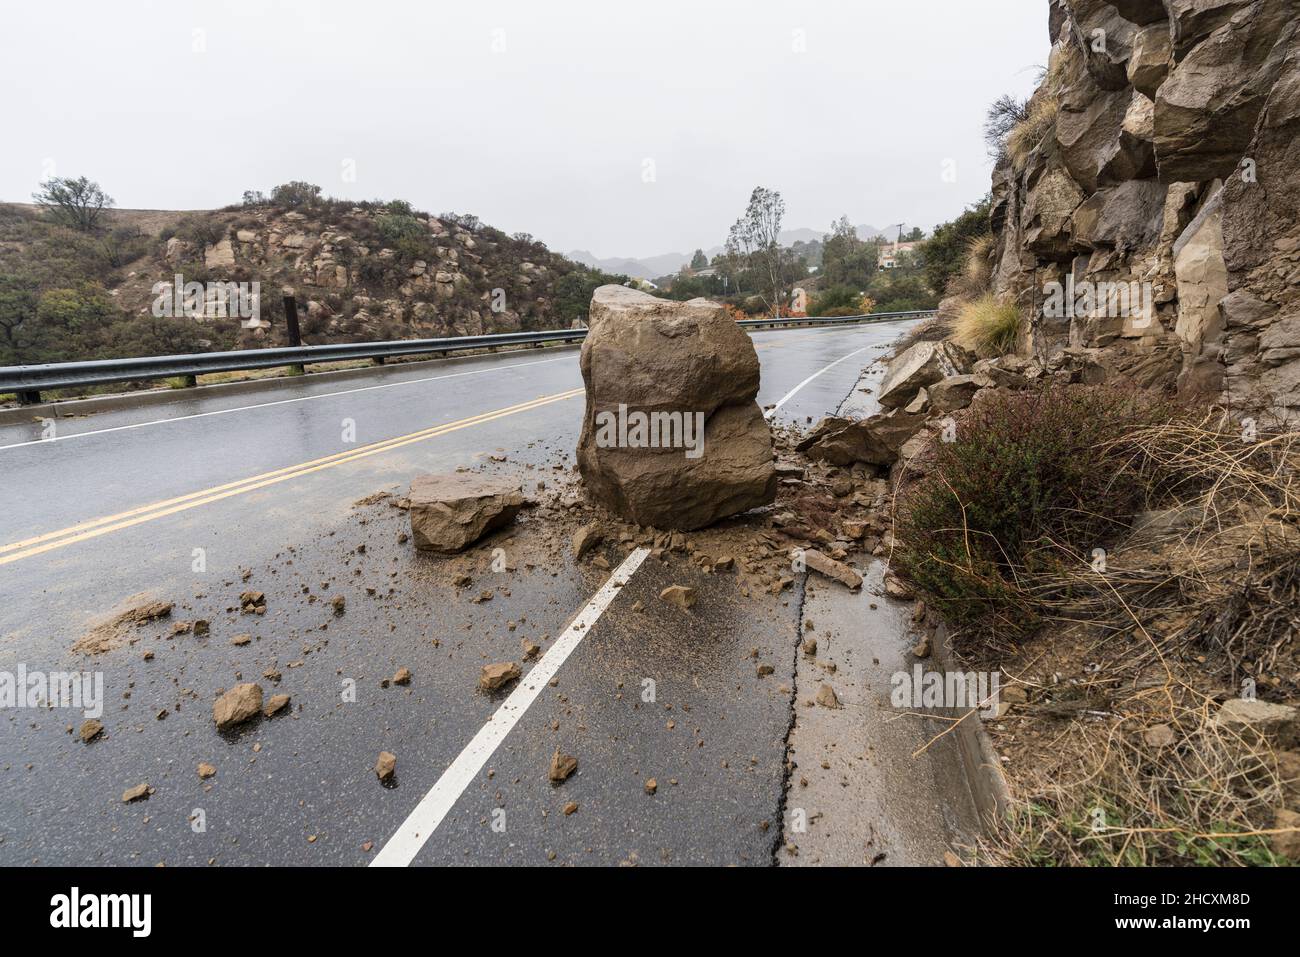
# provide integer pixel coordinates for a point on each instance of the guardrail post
(291, 324)
(29, 397)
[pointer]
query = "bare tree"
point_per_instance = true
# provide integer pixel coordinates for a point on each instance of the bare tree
(756, 238)
(1000, 119)
(78, 203)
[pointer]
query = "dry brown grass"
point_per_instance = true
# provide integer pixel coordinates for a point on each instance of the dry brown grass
(987, 326)
(1204, 596)
(1038, 124)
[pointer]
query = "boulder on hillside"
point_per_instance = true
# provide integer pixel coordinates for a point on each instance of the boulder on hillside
(919, 366)
(872, 441)
(450, 511)
(672, 435)
(956, 392)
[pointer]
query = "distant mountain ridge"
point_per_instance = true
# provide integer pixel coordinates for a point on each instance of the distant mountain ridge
(652, 267)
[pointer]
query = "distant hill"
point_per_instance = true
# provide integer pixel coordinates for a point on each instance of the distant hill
(651, 267)
(361, 271)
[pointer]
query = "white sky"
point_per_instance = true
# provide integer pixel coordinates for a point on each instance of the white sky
(182, 105)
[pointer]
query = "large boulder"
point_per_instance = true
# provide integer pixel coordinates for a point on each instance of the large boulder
(873, 441)
(918, 366)
(450, 511)
(672, 435)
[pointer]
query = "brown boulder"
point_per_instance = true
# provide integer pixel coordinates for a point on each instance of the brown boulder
(917, 367)
(955, 392)
(671, 435)
(874, 441)
(450, 511)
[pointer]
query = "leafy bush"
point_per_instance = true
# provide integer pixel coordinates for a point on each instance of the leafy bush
(1032, 479)
(945, 251)
(295, 194)
(895, 290)
(201, 230)
(988, 327)
(396, 227)
(837, 301)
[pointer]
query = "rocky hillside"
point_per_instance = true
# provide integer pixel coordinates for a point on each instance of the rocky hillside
(360, 271)
(1162, 149)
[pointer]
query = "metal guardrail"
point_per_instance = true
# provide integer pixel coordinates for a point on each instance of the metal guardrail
(30, 380)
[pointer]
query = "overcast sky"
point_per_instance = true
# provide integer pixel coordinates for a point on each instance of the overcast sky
(625, 128)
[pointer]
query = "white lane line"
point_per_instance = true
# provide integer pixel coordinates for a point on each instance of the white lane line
(266, 405)
(790, 395)
(434, 806)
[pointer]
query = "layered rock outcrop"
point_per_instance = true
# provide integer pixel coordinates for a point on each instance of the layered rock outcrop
(1161, 169)
(672, 435)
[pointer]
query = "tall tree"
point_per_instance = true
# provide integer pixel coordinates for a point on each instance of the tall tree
(699, 260)
(78, 203)
(846, 259)
(755, 237)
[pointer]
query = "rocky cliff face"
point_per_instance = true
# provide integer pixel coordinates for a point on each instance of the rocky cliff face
(1161, 153)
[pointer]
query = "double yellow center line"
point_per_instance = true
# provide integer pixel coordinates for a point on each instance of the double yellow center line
(147, 513)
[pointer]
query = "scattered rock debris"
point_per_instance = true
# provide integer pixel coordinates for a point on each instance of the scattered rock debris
(139, 792)
(120, 629)
(498, 675)
(562, 765)
(682, 596)
(237, 705)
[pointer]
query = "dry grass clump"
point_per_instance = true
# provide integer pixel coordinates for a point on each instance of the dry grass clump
(976, 276)
(987, 326)
(1038, 124)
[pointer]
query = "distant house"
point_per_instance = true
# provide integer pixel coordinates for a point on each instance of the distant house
(888, 256)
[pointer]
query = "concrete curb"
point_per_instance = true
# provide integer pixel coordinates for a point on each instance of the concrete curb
(988, 785)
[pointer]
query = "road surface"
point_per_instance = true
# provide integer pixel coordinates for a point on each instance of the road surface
(215, 493)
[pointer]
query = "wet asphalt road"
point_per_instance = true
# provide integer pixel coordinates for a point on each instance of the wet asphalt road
(298, 788)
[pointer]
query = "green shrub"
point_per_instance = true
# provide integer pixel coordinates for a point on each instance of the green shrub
(1031, 480)
(837, 301)
(295, 194)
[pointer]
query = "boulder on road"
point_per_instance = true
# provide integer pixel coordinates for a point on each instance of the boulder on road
(452, 510)
(920, 366)
(672, 435)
